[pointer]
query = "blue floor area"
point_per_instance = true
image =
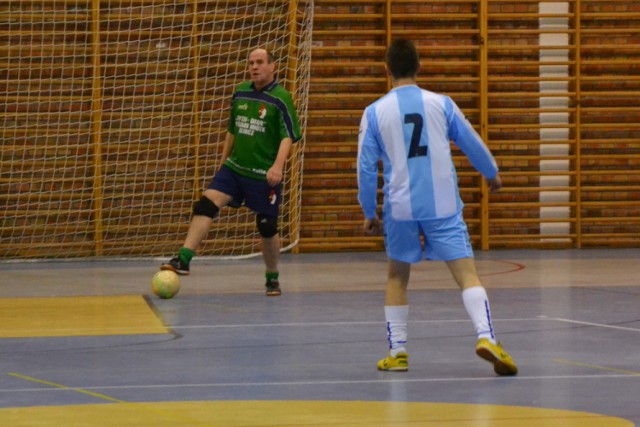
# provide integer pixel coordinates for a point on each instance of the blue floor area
(577, 349)
(570, 319)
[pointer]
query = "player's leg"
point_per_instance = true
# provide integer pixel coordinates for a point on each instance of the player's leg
(268, 229)
(219, 193)
(271, 252)
(474, 296)
(476, 302)
(204, 212)
(396, 312)
(402, 242)
(448, 240)
(264, 200)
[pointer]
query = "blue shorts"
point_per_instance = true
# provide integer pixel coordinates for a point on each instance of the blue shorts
(256, 194)
(444, 239)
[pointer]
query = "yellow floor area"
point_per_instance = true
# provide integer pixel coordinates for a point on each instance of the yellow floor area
(300, 414)
(77, 316)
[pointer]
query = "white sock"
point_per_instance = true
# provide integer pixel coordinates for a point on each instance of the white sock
(477, 304)
(396, 316)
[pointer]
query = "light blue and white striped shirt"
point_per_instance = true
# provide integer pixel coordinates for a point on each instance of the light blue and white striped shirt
(410, 129)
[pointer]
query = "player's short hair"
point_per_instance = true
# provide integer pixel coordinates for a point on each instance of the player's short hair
(270, 57)
(402, 59)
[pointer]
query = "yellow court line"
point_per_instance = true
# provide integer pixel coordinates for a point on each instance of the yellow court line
(602, 368)
(64, 387)
(146, 407)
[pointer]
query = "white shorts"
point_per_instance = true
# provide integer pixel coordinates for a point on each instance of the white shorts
(444, 239)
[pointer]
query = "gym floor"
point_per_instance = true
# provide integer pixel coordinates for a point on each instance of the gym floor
(88, 344)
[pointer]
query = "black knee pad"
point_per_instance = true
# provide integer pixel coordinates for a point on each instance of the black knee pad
(205, 207)
(267, 225)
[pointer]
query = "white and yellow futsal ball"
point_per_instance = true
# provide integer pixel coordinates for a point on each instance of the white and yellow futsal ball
(165, 284)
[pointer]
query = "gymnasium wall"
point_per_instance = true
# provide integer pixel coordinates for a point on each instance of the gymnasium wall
(552, 87)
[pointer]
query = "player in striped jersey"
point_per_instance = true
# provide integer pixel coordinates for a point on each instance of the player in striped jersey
(409, 130)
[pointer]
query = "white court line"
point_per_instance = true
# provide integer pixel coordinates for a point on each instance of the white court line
(350, 323)
(315, 324)
(239, 325)
(329, 382)
(599, 325)
(347, 323)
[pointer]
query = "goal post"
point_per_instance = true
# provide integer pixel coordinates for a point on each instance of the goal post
(115, 117)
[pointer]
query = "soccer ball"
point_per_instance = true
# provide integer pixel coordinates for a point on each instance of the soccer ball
(165, 284)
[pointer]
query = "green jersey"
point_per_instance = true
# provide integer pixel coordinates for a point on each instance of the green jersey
(259, 121)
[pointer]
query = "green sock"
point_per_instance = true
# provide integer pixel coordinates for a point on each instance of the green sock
(271, 275)
(185, 255)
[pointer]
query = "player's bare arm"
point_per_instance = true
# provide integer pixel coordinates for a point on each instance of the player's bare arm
(275, 173)
(228, 146)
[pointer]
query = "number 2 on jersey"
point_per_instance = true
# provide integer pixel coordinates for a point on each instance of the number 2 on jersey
(415, 149)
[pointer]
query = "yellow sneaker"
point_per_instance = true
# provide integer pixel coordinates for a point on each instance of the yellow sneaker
(398, 363)
(503, 364)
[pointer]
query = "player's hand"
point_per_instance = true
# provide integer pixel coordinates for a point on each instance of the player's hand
(494, 184)
(274, 176)
(372, 226)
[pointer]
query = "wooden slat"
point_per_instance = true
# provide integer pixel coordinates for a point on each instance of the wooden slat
(601, 130)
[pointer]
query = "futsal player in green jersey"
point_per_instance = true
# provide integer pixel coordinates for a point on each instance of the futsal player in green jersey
(263, 125)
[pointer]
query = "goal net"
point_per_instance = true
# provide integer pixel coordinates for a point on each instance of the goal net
(114, 118)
